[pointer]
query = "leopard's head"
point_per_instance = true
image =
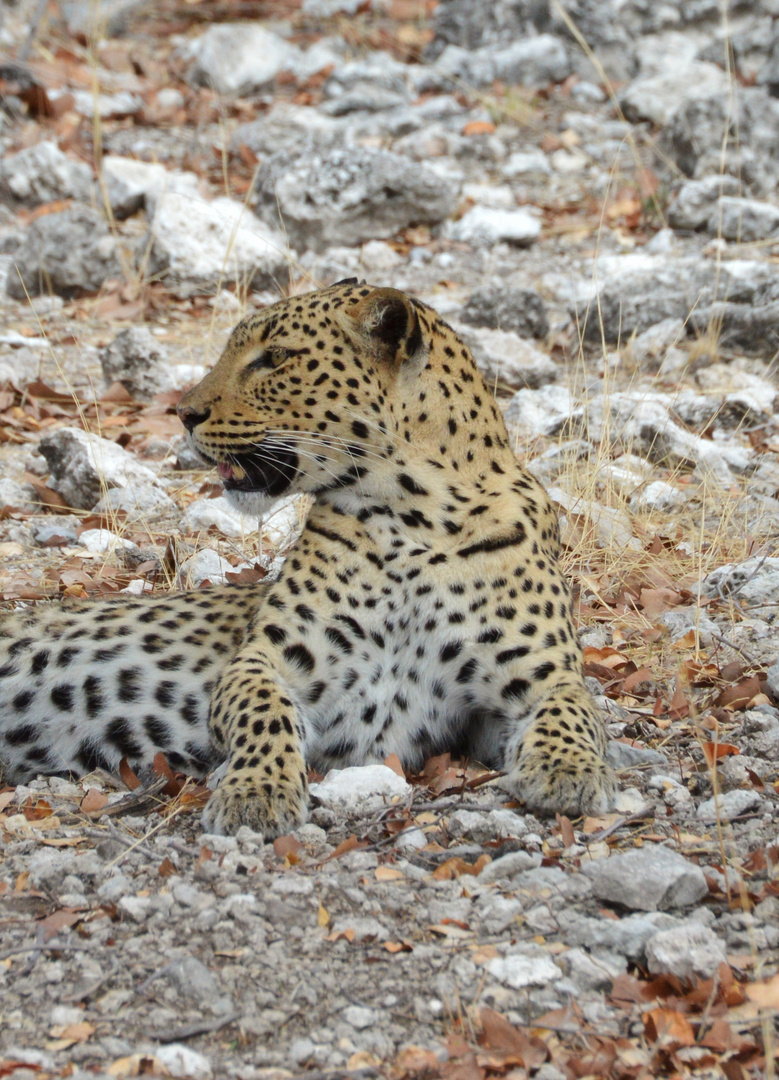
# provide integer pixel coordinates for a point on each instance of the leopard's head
(304, 396)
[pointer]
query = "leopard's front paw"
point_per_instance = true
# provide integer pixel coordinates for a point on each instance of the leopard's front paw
(245, 797)
(578, 783)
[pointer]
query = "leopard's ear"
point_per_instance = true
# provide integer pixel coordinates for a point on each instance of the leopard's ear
(388, 319)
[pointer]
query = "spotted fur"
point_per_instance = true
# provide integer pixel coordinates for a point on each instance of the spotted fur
(422, 609)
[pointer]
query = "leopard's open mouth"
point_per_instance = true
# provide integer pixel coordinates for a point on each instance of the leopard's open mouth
(267, 471)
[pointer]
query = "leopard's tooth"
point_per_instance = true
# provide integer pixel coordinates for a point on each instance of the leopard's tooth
(238, 472)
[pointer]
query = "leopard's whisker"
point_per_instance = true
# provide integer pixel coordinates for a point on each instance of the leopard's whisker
(262, 457)
(318, 439)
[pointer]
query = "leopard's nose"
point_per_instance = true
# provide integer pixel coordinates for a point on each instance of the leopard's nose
(190, 417)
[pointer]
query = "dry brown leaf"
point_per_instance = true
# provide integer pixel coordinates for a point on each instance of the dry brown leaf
(388, 873)
(479, 127)
(723, 1037)
(287, 847)
(93, 802)
(362, 1059)
(448, 928)
(74, 1033)
(392, 761)
(454, 868)
(397, 946)
(134, 1065)
(45, 494)
(508, 1045)
(635, 678)
(351, 843)
(483, 954)
(605, 657)
(714, 751)
(668, 1028)
(348, 935)
(679, 708)
(740, 695)
(566, 830)
(59, 920)
(129, 778)
(37, 811)
(250, 575)
(416, 1061)
(9, 1066)
(657, 601)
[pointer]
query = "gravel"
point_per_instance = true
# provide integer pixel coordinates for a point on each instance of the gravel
(615, 276)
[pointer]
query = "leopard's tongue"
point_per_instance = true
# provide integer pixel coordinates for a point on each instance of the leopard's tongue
(230, 472)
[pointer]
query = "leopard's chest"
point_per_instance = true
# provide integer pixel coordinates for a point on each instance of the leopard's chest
(392, 670)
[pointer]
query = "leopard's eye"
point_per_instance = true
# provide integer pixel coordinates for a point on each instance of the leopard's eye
(269, 358)
(264, 360)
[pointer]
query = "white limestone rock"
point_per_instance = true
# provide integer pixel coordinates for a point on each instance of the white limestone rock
(360, 789)
(42, 174)
(504, 357)
(204, 245)
(236, 59)
(132, 185)
(84, 467)
(220, 513)
(484, 226)
(525, 965)
(685, 951)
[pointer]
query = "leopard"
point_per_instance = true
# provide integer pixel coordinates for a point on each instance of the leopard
(422, 609)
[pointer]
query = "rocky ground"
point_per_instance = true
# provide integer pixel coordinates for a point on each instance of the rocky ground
(588, 192)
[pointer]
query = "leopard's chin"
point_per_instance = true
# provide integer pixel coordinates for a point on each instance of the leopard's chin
(251, 503)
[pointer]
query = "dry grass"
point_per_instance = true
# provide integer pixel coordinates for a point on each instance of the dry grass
(707, 531)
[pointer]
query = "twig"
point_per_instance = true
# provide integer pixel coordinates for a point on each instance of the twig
(445, 804)
(128, 841)
(339, 1074)
(164, 824)
(642, 815)
(136, 800)
(736, 648)
(41, 946)
(185, 849)
(200, 1027)
(153, 977)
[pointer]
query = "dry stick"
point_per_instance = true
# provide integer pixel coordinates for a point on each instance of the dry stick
(41, 946)
(128, 841)
(185, 849)
(163, 824)
(742, 652)
(201, 1027)
(642, 815)
(153, 977)
(339, 1074)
